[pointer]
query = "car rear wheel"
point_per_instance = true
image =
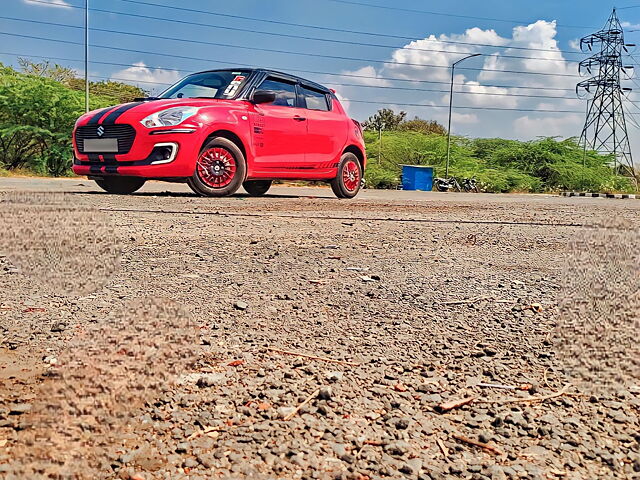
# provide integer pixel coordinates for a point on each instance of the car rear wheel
(220, 169)
(257, 188)
(348, 182)
(120, 185)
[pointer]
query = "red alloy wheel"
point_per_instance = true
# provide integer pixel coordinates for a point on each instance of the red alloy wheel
(216, 167)
(351, 175)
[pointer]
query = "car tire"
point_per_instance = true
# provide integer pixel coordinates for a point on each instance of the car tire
(257, 188)
(220, 169)
(348, 182)
(120, 185)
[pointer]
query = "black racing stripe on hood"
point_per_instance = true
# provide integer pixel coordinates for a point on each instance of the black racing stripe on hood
(96, 118)
(113, 116)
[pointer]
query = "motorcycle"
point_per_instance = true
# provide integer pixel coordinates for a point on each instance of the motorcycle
(446, 184)
(470, 185)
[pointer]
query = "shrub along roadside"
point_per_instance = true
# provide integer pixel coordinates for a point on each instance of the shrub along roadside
(37, 115)
(499, 165)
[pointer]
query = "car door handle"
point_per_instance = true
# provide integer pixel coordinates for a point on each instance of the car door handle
(299, 119)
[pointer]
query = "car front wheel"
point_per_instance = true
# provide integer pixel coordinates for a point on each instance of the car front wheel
(348, 182)
(120, 185)
(220, 169)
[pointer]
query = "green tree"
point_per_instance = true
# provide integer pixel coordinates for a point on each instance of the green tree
(384, 119)
(120, 92)
(47, 70)
(123, 92)
(37, 115)
(427, 127)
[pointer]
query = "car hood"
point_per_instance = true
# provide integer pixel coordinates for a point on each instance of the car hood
(136, 111)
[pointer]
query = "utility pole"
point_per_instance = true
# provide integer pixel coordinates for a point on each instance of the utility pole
(86, 55)
(379, 143)
(453, 70)
(605, 127)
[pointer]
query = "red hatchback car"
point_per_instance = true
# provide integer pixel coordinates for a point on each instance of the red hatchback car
(220, 129)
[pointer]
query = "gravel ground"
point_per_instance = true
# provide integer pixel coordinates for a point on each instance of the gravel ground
(162, 335)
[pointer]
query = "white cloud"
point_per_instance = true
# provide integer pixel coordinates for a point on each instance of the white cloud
(344, 101)
(630, 25)
(529, 57)
(158, 78)
(532, 49)
(548, 126)
(430, 58)
(483, 96)
(49, 3)
(575, 44)
(464, 118)
(365, 76)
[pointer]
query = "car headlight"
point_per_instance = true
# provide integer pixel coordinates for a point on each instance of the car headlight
(169, 117)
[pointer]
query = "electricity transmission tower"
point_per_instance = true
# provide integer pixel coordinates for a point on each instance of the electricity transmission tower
(605, 128)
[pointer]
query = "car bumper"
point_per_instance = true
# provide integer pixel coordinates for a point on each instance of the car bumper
(169, 152)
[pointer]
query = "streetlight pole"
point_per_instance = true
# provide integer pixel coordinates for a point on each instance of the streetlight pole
(86, 55)
(380, 143)
(453, 70)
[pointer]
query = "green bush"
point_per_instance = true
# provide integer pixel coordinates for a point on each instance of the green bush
(37, 116)
(377, 176)
(499, 165)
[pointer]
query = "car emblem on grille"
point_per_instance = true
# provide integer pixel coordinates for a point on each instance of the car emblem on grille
(100, 131)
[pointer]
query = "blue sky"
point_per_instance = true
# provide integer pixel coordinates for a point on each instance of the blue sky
(509, 27)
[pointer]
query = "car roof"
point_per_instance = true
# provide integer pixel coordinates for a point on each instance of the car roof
(275, 73)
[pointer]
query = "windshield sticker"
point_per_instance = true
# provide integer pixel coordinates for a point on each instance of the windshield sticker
(233, 86)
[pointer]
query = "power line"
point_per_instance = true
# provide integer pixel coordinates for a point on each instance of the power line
(630, 118)
(172, 69)
(288, 52)
(130, 80)
(422, 105)
(411, 10)
(377, 87)
(377, 34)
(371, 86)
(290, 24)
(315, 72)
(500, 109)
(285, 35)
(332, 83)
(457, 91)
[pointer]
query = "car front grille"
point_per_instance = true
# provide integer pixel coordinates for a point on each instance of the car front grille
(125, 134)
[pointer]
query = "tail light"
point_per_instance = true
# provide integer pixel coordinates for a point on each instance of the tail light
(358, 127)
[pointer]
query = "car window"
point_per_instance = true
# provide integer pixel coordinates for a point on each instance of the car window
(285, 92)
(315, 100)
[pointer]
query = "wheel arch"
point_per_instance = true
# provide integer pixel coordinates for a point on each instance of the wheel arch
(229, 135)
(358, 153)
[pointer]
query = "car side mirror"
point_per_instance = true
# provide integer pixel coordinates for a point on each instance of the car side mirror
(263, 96)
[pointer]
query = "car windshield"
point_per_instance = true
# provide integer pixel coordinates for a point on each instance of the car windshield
(220, 84)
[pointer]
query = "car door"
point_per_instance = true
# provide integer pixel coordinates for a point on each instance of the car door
(280, 128)
(327, 128)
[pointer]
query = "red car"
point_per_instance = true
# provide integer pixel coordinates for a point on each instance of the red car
(220, 129)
